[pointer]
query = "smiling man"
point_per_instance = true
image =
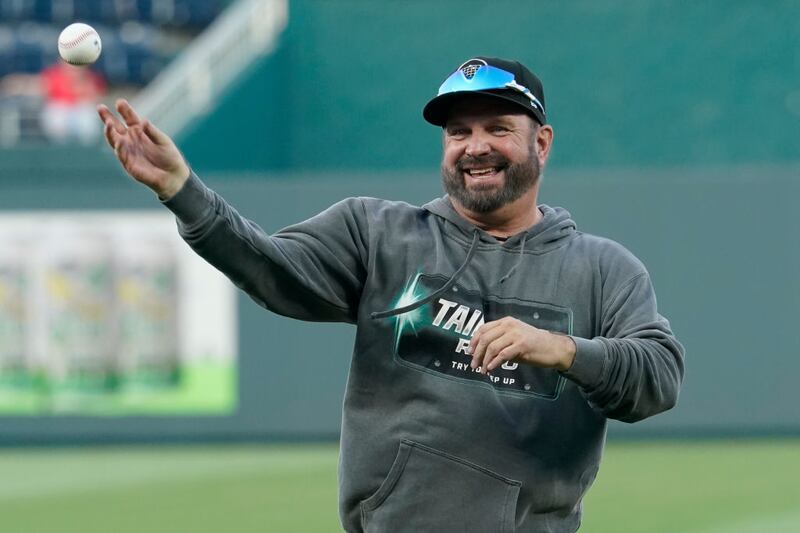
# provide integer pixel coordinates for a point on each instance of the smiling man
(494, 340)
(491, 165)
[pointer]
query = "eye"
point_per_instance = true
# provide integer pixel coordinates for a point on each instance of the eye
(498, 129)
(457, 133)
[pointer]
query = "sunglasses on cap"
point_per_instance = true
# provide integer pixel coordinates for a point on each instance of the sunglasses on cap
(482, 78)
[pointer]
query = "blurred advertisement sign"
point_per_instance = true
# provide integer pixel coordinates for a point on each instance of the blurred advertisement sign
(111, 314)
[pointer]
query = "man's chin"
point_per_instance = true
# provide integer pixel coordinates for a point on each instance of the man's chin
(479, 203)
(484, 189)
(489, 183)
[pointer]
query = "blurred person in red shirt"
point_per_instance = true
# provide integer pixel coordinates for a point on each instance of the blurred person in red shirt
(70, 95)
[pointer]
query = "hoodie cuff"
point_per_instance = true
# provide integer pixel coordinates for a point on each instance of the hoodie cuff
(191, 203)
(590, 359)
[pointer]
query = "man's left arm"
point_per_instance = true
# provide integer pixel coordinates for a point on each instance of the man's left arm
(633, 370)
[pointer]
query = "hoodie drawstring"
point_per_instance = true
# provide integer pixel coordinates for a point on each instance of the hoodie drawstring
(437, 293)
(519, 260)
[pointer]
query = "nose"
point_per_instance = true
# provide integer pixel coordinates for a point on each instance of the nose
(477, 145)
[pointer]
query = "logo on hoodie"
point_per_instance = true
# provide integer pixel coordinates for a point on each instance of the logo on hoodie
(435, 337)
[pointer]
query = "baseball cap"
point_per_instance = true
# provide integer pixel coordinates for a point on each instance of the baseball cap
(500, 78)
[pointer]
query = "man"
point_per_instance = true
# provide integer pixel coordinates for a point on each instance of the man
(70, 94)
(494, 339)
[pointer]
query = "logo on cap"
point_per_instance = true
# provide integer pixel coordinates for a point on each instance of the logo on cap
(469, 68)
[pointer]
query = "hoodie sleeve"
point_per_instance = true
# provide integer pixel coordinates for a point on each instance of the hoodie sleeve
(314, 270)
(635, 368)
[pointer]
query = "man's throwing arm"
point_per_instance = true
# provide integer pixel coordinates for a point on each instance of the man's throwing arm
(314, 270)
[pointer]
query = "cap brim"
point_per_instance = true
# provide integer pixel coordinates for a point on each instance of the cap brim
(437, 110)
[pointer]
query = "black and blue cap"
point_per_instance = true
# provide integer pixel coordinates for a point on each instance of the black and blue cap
(500, 78)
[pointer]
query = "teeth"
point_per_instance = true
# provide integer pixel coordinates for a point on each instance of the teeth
(481, 172)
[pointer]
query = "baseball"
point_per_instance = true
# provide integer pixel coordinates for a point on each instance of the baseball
(79, 44)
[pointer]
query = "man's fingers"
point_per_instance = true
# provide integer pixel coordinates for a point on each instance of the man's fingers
(494, 347)
(484, 338)
(118, 143)
(127, 112)
(108, 118)
(107, 133)
(104, 112)
(480, 331)
(489, 325)
(506, 354)
(113, 137)
(154, 134)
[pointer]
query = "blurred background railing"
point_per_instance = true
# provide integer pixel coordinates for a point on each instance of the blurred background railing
(190, 86)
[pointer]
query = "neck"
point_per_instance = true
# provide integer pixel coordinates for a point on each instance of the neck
(508, 220)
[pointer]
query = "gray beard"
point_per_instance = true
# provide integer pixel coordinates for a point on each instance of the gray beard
(519, 178)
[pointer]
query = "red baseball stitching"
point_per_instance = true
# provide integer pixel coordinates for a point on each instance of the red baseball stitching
(74, 42)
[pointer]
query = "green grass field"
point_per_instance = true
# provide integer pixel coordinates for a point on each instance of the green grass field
(712, 487)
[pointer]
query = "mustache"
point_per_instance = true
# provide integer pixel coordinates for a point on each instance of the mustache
(491, 160)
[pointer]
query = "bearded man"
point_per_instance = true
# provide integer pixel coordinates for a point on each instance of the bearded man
(494, 340)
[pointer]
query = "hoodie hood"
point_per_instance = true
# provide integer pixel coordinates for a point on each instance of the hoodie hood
(552, 231)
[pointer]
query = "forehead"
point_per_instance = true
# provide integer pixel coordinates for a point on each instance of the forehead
(483, 107)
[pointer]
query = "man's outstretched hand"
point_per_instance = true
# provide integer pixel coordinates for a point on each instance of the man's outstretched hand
(146, 153)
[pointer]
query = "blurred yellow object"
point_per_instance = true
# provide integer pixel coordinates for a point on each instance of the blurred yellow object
(59, 286)
(129, 291)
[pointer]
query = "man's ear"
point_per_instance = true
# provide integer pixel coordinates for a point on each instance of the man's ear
(544, 141)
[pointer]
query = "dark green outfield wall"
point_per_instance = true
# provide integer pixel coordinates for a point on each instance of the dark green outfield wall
(628, 82)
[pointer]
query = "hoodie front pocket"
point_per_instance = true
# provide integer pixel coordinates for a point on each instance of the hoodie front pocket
(428, 490)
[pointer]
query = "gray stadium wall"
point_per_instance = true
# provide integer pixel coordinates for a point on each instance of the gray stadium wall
(677, 134)
(718, 244)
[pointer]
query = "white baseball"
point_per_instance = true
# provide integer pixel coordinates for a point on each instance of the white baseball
(79, 44)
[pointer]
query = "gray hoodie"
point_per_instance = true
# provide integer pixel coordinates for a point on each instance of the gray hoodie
(428, 444)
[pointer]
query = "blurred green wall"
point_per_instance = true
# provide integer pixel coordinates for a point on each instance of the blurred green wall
(627, 82)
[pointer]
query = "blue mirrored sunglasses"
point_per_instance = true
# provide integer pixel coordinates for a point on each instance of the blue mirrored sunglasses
(482, 78)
